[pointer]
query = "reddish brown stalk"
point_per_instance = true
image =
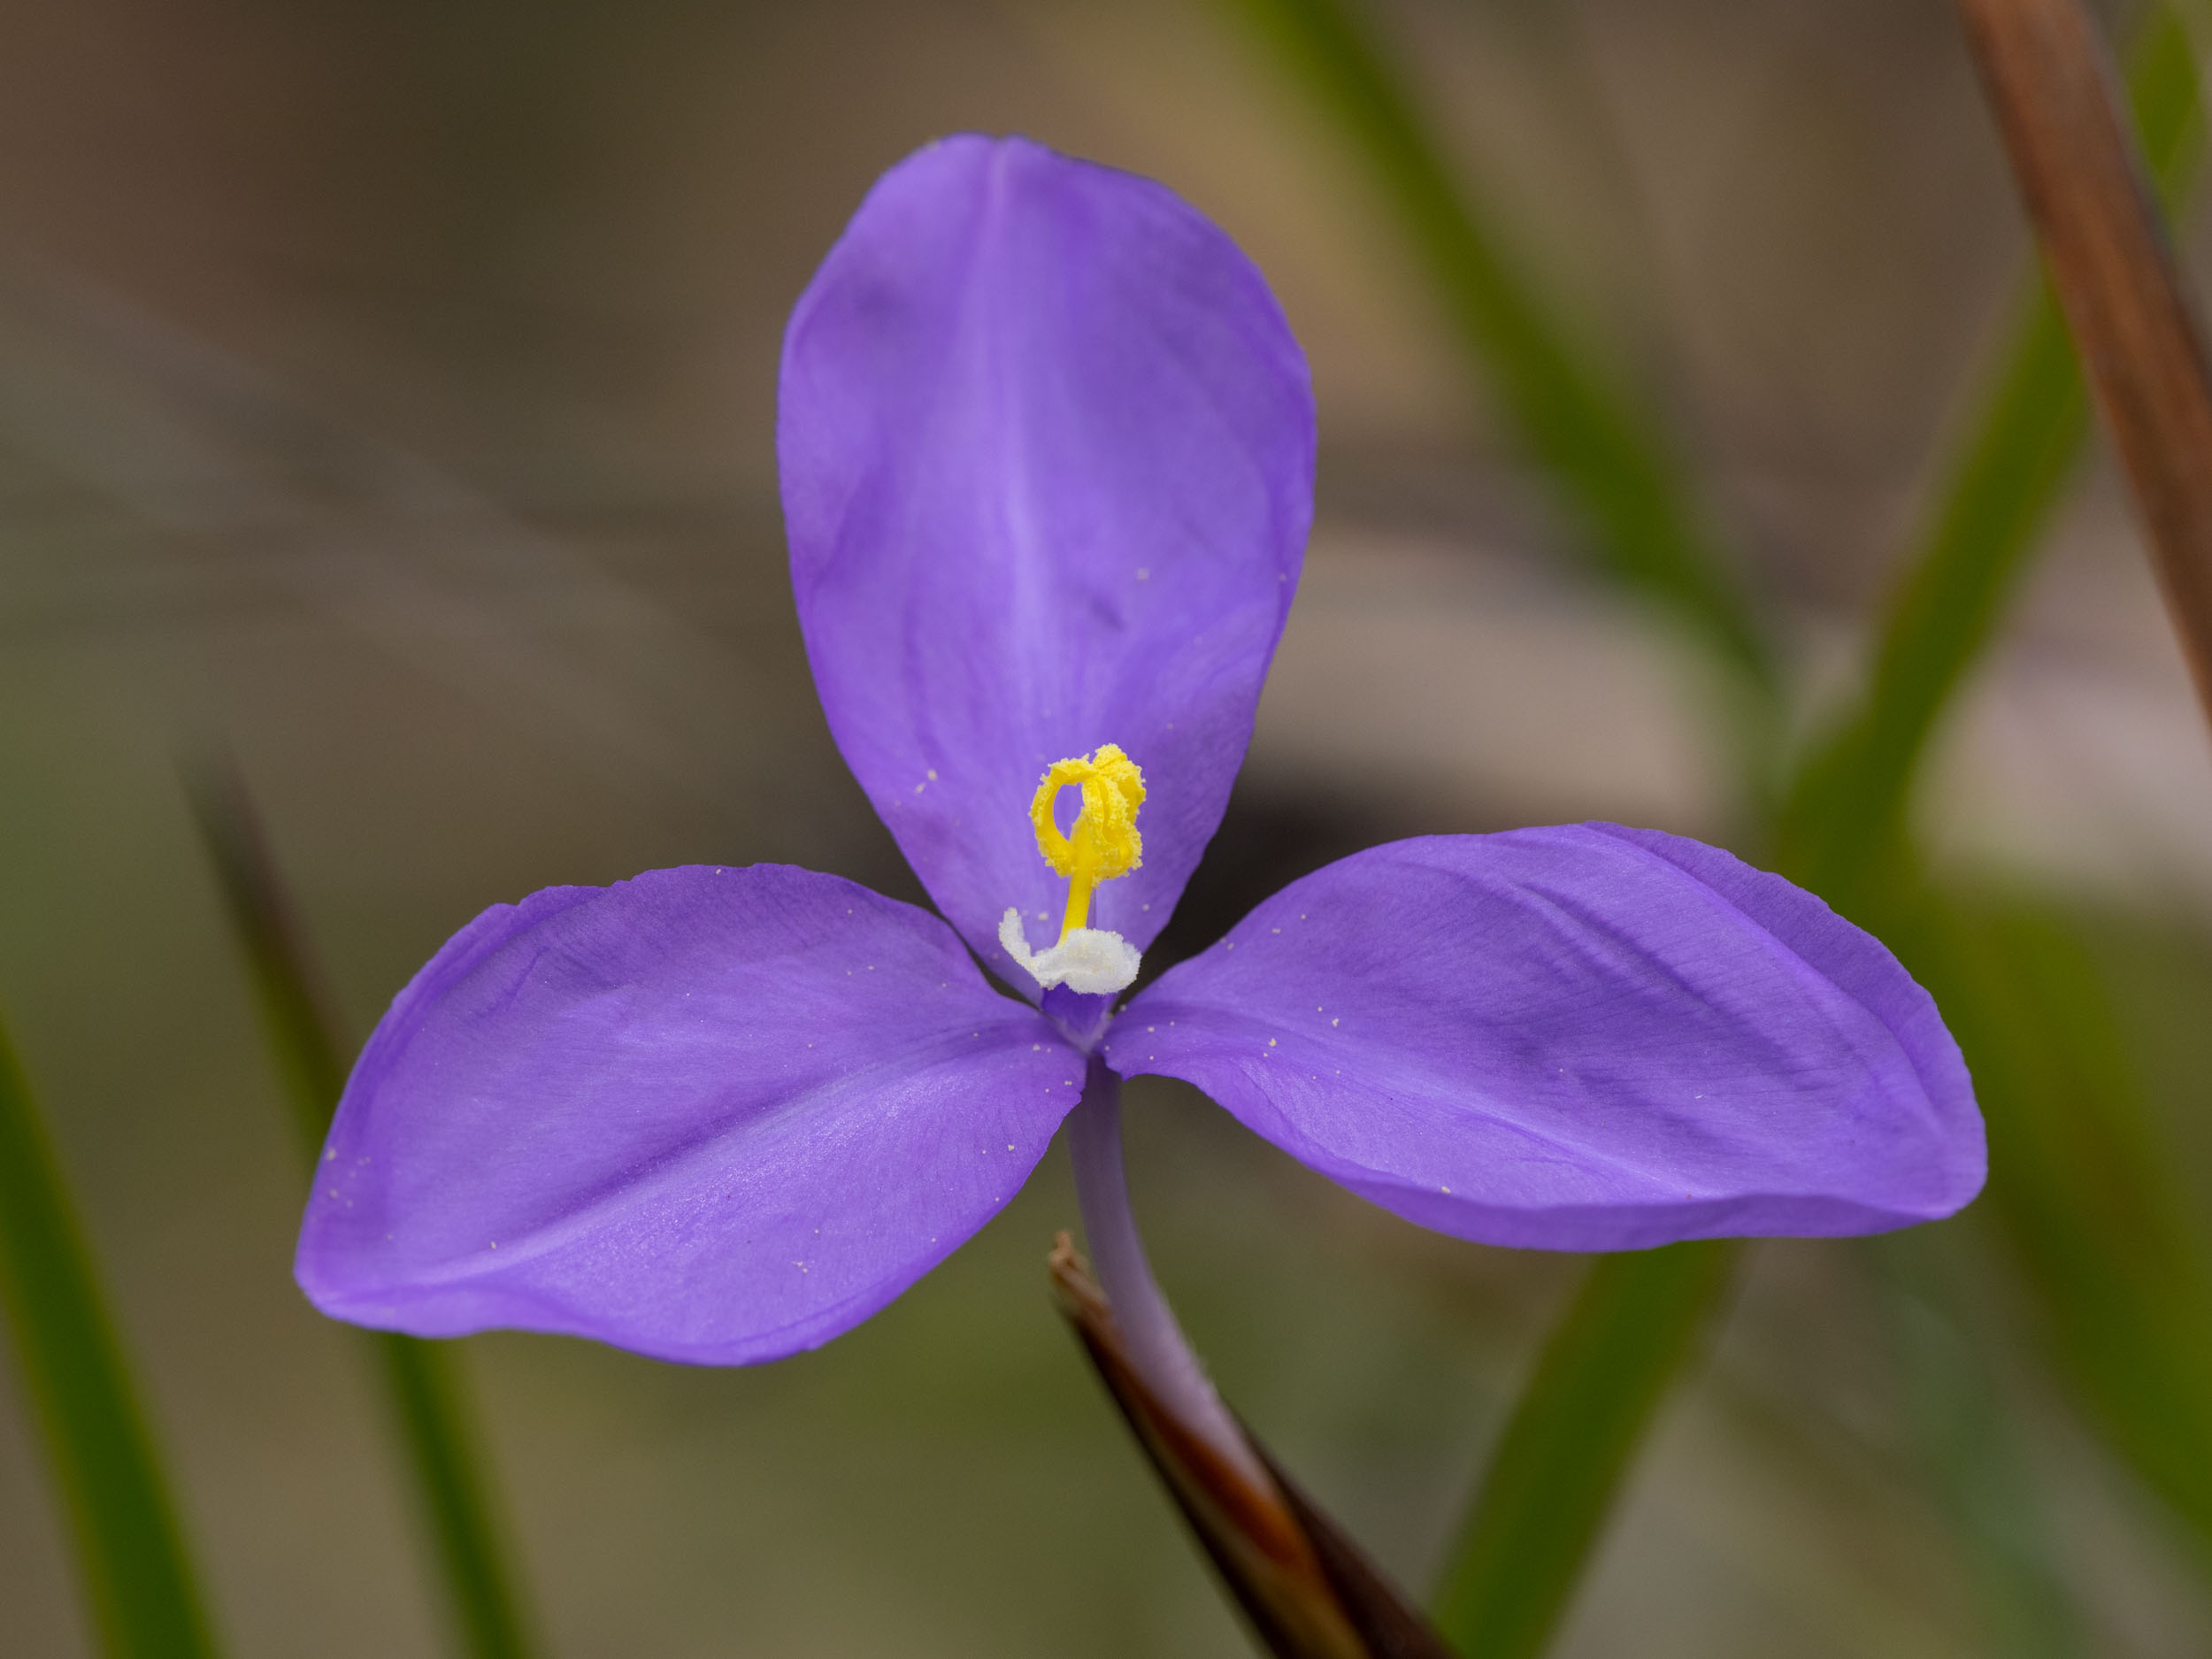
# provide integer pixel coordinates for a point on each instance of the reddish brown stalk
(2057, 101)
(1307, 1589)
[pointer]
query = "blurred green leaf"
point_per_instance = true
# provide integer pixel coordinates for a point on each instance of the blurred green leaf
(1845, 813)
(1580, 1420)
(428, 1401)
(295, 1009)
(1603, 452)
(2086, 1191)
(1970, 1443)
(128, 1547)
(2082, 1183)
(1843, 824)
(1844, 817)
(431, 1405)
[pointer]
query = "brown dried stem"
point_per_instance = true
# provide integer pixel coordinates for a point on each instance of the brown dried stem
(2057, 101)
(1309, 1592)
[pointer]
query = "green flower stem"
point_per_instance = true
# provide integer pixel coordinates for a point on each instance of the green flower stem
(1843, 818)
(129, 1549)
(427, 1397)
(1953, 1400)
(1601, 451)
(1843, 827)
(430, 1402)
(1570, 1442)
(1840, 827)
(2082, 1183)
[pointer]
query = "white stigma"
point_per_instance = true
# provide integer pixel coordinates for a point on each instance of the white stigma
(1089, 959)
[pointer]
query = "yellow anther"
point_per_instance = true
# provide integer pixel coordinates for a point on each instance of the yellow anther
(1103, 842)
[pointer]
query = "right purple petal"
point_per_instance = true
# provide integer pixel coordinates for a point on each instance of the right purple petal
(1583, 1038)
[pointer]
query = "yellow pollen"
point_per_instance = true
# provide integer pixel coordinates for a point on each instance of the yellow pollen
(1103, 842)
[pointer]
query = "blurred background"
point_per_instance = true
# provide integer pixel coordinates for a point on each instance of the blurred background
(387, 396)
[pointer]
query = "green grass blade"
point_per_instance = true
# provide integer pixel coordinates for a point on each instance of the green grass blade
(427, 1401)
(435, 1420)
(129, 1549)
(1846, 807)
(1526, 1541)
(1846, 810)
(1602, 453)
(1575, 1430)
(2084, 1187)
(1551, 1482)
(1845, 834)
(295, 1016)
(2119, 1267)
(1969, 1444)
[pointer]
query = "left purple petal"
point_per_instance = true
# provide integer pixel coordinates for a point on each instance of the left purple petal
(712, 1114)
(1047, 453)
(1584, 1038)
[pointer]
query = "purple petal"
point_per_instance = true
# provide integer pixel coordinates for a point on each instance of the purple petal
(1584, 1038)
(1047, 449)
(711, 1114)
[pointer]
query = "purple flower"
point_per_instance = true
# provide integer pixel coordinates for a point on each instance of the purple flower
(1046, 449)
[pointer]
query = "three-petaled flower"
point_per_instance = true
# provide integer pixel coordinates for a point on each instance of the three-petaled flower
(1047, 450)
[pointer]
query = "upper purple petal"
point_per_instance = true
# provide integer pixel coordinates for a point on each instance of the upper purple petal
(1584, 1038)
(714, 1115)
(1046, 451)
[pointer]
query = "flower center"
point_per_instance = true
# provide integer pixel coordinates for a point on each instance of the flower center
(1103, 843)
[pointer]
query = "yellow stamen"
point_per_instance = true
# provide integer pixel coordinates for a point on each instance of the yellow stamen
(1103, 842)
